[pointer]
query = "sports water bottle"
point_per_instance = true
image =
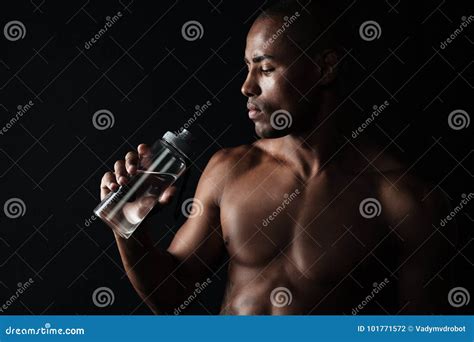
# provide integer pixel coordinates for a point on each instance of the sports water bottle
(123, 210)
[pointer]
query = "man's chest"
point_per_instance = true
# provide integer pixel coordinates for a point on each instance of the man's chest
(320, 228)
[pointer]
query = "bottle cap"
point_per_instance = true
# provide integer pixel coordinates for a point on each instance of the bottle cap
(183, 142)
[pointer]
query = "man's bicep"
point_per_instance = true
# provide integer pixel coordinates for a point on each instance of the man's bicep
(199, 244)
(425, 258)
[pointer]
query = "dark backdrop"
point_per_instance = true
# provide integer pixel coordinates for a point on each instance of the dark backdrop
(151, 79)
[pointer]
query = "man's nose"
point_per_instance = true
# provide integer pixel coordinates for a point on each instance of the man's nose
(250, 87)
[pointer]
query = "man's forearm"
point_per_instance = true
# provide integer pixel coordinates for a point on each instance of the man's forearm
(150, 270)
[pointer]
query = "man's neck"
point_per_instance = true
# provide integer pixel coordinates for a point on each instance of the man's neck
(308, 152)
(311, 149)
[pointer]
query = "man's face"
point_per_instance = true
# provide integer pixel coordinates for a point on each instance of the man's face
(278, 81)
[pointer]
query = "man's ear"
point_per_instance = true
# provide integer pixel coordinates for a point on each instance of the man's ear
(329, 60)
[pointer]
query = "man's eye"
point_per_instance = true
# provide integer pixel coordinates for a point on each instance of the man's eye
(267, 71)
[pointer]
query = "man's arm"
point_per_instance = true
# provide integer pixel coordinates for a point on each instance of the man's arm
(426, 252)
(163, 278)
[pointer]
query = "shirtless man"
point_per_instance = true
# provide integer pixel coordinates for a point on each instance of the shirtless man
(312, 222)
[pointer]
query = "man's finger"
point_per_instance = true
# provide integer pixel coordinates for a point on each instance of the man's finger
(120, 172)
(144, 153)
(143, 150)
(108, 183)
(131, 162)
(168, 195)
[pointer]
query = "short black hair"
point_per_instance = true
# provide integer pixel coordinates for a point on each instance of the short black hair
(317, 25)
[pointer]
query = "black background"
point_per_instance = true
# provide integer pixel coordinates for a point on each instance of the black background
(151, 79)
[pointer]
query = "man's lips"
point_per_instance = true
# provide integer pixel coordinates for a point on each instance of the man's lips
(254, 111)
(251, 106)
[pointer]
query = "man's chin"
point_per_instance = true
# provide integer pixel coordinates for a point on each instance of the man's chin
(266, 131)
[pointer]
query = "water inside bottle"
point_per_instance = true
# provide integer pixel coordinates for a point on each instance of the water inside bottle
(126, 208)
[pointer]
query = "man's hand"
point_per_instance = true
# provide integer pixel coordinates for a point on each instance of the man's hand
(124, 169)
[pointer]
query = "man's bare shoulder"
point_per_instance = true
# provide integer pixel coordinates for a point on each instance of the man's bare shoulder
(411, 203)
(233, 161)
(399, 190)
(395, 181)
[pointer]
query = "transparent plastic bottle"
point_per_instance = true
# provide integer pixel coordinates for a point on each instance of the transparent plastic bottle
(123, 210)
